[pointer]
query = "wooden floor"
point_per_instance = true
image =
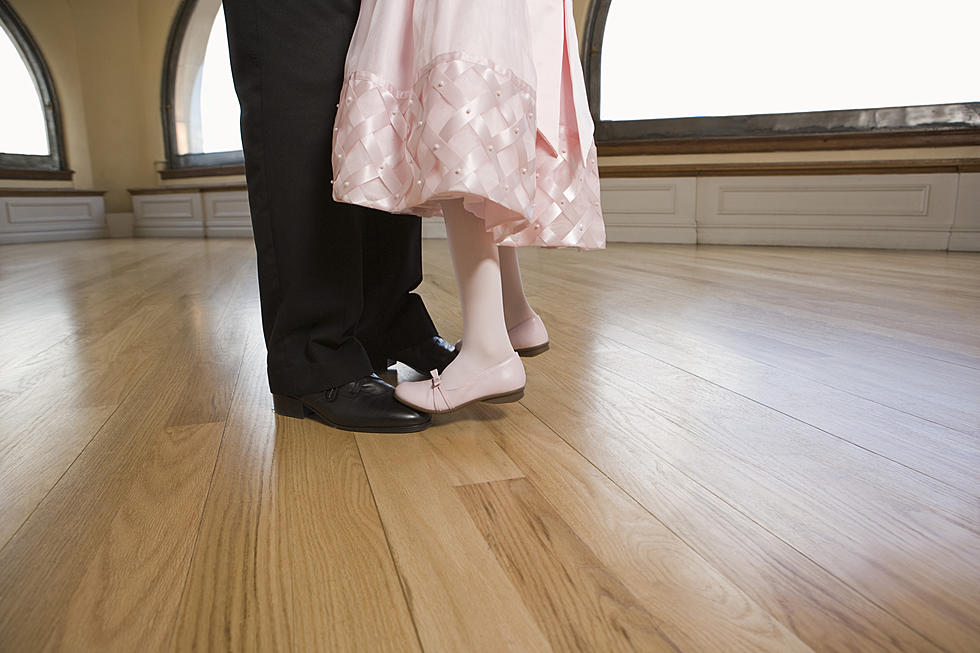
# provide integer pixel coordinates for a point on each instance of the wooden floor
(726, 449)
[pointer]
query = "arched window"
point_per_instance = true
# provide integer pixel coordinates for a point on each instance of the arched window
(200, 109)
(764, 74)
(30, 122)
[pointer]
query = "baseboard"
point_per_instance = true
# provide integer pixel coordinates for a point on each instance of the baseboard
(675, 234)
(823, 237)
(964, 241)
(168, 232)
(52, 235)
(230, 231)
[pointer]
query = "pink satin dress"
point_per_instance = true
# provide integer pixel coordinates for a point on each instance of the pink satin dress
(479, 100)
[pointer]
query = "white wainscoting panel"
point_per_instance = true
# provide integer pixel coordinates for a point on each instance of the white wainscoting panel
(895, 211)
(965, 234)
(32, 219)
(635, 211)
(169, 215)
(905, 211)
(226, 214)
(649, 210)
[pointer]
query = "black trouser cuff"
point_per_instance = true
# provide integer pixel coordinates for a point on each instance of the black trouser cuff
(347, 363)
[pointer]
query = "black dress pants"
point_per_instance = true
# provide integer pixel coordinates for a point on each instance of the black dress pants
(335, 280)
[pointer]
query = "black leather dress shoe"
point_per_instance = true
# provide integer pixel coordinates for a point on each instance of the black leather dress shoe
(367, 405)
(432, 354)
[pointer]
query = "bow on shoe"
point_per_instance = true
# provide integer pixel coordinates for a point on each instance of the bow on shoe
(437, 385)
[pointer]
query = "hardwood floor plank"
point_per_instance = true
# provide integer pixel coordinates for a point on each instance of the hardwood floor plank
(718, 580)
(906, 306)
(133, 495)
(460, 597)
(696, 608)
(236, 596)
(291, 554)
(839, 505)
(346, 593)
(465, 454)
(27, 474)
(727, 448)
(945, 454)
(578, 603)
(948, 455)
(132, 576)
(845, 507)
(64, 299)
(755, 323)
(120, 523)
(56, 400)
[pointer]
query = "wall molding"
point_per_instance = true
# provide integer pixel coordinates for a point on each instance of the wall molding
(219, 211)
(226, 215)
(650, 210)
(904, 211)
(34, 215)
(964, 235)
(931, 208)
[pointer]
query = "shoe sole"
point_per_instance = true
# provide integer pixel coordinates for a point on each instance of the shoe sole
(292, 407)
(505, 398)
(527, 352)
(530, 352)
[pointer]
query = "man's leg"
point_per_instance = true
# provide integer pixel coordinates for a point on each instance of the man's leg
(287, 58)
(394, 317)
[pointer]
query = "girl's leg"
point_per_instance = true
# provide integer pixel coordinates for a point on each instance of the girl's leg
(527, 333)
(516, 308)
(486, 369)
(478, 276)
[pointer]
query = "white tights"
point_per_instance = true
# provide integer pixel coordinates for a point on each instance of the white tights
(490, 291)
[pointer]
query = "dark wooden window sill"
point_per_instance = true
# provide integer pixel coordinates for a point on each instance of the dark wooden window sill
(42, 175)
(612, 170)
(50, 192)
(189, 188)
(795, 143)
(202, 171)
(893, 167)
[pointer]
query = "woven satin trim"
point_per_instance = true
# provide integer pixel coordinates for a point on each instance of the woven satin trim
(465, 130)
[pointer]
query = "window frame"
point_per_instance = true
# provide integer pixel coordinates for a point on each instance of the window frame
(195, 163)
(893, 127)
(53, 165)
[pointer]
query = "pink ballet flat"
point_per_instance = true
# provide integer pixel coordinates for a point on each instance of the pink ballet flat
(529, 338)
(498, 384)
